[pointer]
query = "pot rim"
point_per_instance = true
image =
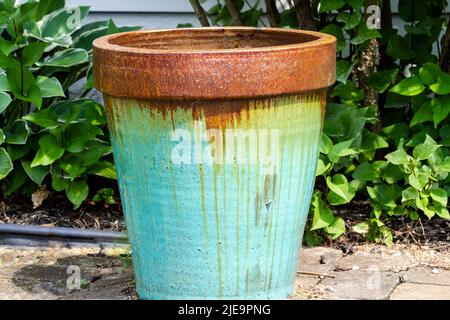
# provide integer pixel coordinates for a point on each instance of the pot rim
(105, 42)
(302, 63)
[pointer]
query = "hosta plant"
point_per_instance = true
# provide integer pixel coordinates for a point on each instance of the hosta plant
(48, 137)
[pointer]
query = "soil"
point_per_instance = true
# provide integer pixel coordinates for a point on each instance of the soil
(57, 211)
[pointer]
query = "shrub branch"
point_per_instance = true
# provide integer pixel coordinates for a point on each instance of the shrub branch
(305, 15)
(367, 58)
(234, 12)
(272, 13)
(200, 12)
(445, 56)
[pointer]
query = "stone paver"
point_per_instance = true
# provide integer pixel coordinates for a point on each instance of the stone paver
(418, 291)
(318, 260)
(428, 275)
(393, 261)
(361, 284)
(371, 272)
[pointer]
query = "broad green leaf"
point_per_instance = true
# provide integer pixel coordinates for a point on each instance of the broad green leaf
(424, 27)
(397, 132)
(322, 215)
(343, 70)
(412, 10)
(330, 5)
(365, 172)
(78, 134)
(17, 151)
(71, 111)
(87, 27)
(66, 58)
(57, 26)
(34, 96)
(37, 174)
(442, 212)
(48, 152)
(350, 20)
(84, 37)
(326, 145)
(441, 109)
(47, 6)
(4, 84)
(77, 191)
(355, 4)
(6, 47)
(422, 204)
(362, 227)
(418, 180)
(49, 87)
(44, 118)
(429, 73)
(5, 100)
(59, 183)
(312, 238)
(409, 87)
(442, 86)
(103, 169)
(340, 186)
(365, 34)
(385, 194)
(381, 80)
(348, 92)
(446, 164)
(16, 178)
(439, 195)
(73, 166)
(5, 163)
(16, 82)
(398, 157)
(8, 61)
(341, 149)
(425, 150)
(392, 173)
(399, 48)
(344, 122)
(2, 136)
(17, 133)
(336, 229)
(322, 166)
(373, 141)
(336, 31)
(409, 193)
(425, 113)
(33, 52)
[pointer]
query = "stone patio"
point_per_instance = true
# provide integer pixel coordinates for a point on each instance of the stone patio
(370, 272)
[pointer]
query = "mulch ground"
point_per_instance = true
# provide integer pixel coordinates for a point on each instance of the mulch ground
(57, 211)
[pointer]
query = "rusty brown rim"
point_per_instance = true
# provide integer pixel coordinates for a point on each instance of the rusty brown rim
(197, 63)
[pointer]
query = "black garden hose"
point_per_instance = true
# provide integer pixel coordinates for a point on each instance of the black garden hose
(30, 235)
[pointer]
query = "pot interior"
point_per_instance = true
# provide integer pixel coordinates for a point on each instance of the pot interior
(211, 39)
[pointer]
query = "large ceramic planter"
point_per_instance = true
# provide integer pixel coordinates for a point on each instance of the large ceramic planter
(215, 135)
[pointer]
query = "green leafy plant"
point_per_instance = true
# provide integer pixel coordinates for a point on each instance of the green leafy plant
(105, 195)
(48, 137)
(386, 136)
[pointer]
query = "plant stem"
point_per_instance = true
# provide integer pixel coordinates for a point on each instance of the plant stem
(200, 12)
(234, 12)
(445, 44)
(304, 15)
(272, 13)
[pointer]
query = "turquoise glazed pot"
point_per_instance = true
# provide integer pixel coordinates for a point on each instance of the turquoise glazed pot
(215, 135)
